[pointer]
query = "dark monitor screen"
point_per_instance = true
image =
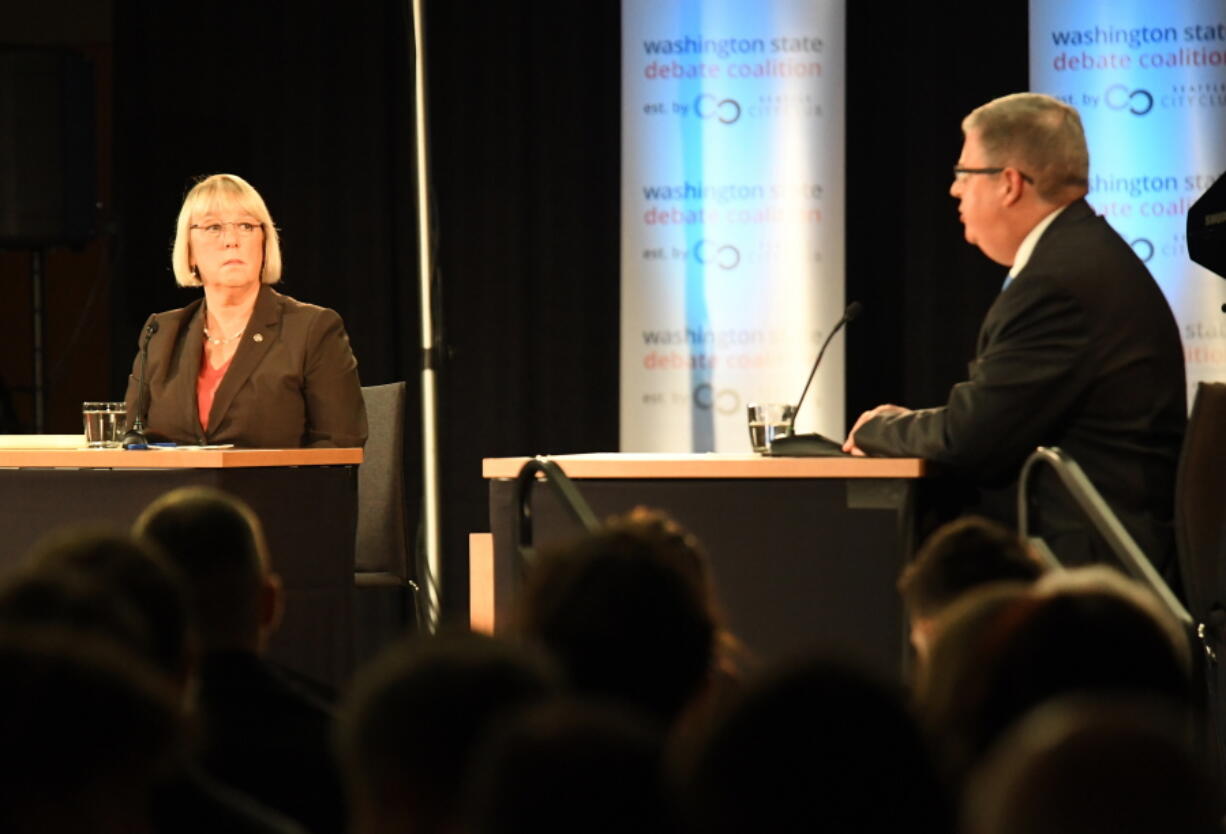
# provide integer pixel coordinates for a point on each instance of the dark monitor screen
(1207, 229)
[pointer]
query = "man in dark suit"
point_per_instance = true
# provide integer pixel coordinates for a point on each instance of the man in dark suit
(262, 733)
(1080, 350)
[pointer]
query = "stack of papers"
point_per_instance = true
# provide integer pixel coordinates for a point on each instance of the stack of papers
(42, 441)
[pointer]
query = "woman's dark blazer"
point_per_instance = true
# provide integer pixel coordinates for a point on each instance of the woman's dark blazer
(293, 381)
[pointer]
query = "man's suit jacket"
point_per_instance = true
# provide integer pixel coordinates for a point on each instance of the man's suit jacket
(1079, 351)
(293, 381)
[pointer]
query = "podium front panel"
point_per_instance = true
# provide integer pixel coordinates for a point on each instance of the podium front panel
(799, 564)
(309, 517)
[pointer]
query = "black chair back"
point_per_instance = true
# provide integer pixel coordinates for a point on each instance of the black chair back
(381, 545)
(1200, 502)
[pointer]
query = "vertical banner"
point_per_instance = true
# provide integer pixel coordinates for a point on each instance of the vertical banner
(732, 217)
(1150, 82)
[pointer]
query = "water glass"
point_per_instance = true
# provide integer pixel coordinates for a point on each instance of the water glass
(104, 424)
(768, 421)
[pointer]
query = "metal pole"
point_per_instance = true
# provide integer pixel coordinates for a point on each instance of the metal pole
(40, 322)
(429, 391)
(1102, 518)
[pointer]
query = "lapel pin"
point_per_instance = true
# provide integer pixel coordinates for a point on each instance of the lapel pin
(259, 337)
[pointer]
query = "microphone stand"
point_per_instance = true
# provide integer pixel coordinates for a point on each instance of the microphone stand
(136, 435)
(814, 444)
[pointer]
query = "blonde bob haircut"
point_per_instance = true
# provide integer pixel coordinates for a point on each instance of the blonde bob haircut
(223, 192)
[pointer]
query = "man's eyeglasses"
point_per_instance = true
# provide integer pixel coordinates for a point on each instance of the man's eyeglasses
(961, 172)
(213, 230)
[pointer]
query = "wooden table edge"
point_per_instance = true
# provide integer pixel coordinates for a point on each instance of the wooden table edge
(175, 458)
(614, 466)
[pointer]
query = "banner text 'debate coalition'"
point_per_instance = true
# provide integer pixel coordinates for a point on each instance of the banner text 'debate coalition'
(768, 57)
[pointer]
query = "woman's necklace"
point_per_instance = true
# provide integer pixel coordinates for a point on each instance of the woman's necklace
(224, 340)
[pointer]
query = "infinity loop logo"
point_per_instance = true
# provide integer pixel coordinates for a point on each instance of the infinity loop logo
(708, 107)
(1139, 102)
(1144, 249)
(725, 257)
(725, 401)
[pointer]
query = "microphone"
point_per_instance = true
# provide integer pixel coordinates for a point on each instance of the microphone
(136, 435)
(813, 445)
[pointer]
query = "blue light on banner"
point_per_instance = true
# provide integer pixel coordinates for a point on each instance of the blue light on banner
(697, 315)
(731, 152)
(1149, 80)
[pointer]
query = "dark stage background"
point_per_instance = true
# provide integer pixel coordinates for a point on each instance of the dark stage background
(310, 101)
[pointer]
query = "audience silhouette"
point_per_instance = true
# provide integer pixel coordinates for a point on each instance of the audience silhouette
(261, 733)
(958, 556)
(137, 699)
(87, 730)
(568, 765)
(1004, 650)
(629, 614)
(414, 719)
(96, 569)
(1093, 766)
(817, 745)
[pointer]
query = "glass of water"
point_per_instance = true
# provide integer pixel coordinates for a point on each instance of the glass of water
(768, 421)
(104, 424)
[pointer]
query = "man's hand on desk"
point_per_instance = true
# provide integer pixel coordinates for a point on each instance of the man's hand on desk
(849, 445)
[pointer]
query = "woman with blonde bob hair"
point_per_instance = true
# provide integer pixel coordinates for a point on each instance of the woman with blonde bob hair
(243, 364)
(219, 190)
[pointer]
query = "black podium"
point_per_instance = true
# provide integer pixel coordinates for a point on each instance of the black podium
(805, 552)
(306, 499)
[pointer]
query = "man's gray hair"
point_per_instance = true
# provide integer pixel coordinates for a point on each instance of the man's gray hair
(1040, 136)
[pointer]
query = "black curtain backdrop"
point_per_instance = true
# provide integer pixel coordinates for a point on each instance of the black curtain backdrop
(912, 76)
(312, 103)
